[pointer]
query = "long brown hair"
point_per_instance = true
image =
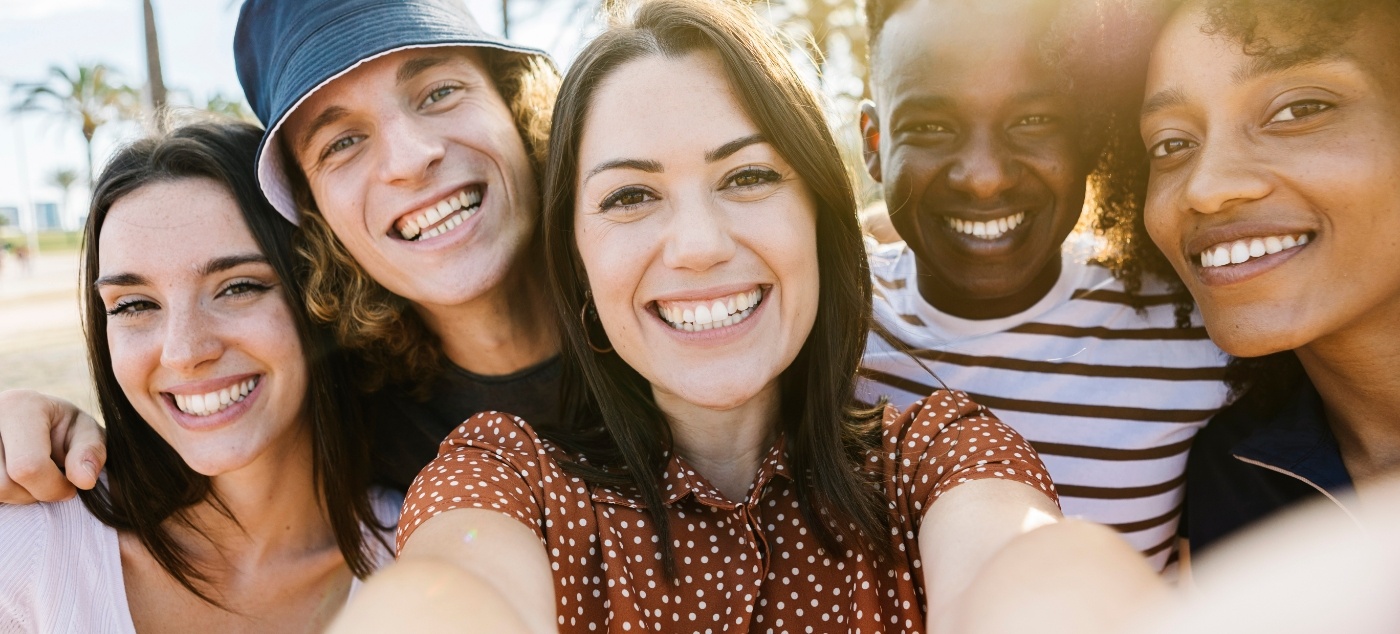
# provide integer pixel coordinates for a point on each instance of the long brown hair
(147, 482)
(623, 434)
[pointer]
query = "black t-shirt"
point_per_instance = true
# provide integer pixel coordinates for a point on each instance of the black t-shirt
(408, 431)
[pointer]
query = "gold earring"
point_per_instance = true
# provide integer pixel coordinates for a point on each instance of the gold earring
(583, 318)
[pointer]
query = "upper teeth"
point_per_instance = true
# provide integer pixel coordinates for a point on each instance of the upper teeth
(990, 229)
(725, 311)
(1243, 250)
(214, 402)
(422, 224)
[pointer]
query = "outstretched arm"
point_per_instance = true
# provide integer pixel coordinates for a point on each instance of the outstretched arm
(48, 448)
(465, 570)
(998, 557)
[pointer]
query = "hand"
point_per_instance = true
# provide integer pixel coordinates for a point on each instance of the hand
(39, 435)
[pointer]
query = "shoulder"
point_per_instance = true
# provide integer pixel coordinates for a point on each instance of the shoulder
(42, 547)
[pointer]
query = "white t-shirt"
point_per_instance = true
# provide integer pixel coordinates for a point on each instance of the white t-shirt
(1109, 397)
(61, 568)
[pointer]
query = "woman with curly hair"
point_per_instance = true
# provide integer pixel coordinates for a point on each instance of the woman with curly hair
(1274, 192)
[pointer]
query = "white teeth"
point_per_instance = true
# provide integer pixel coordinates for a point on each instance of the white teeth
(1241, 251)
(989, 229)
(718, 313)
(214, 402)
(455, 209)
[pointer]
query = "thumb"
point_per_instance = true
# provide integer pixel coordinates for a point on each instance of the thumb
(87, 452)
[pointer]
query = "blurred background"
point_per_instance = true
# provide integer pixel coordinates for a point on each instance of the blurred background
(80, 77)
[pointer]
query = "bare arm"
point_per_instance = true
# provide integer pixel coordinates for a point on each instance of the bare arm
(998, 557)
(38, 433)
(465, 570)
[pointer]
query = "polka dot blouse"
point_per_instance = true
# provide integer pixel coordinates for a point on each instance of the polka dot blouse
(750, 565)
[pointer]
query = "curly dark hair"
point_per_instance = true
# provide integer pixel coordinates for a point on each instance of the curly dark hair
(1099, 50)
(1285, 32)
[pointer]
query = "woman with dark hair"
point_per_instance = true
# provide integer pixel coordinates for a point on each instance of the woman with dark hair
(1274, 148)
(718, 474)
(236, 495)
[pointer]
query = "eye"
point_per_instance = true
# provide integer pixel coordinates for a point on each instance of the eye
(626, 197)
(1300, 110)
(244, 287)
(753, 176)
(929, 128)
(1035, 119)
(438, 94)
(340, 144)
(130, 307)
(1164, 149)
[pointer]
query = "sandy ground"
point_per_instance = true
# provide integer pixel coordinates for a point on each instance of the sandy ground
(41, 337)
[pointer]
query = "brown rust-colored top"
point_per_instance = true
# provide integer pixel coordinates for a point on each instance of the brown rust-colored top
(752, 565)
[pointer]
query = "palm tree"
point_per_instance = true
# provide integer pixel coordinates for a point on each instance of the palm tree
(155, 83)
(64, 178)
(229, 107)
(91, 96)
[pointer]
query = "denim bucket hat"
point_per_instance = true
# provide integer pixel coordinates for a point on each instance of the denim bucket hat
(285, 50)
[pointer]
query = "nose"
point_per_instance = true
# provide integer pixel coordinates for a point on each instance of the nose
(191, 339)
(983, 168)
(1222, 177)
(409, 149)
(698, 236)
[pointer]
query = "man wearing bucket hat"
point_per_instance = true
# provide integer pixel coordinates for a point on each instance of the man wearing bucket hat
(405, 141)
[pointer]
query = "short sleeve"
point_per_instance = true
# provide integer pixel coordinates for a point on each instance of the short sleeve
(946, 440)
(491, 461)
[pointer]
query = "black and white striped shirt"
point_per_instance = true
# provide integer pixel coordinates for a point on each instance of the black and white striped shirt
(1109, 397)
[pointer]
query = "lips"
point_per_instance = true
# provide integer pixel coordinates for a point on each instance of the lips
(210, 403)
(986, 229)
(440, 217)
(1246, 249)
(707, 314)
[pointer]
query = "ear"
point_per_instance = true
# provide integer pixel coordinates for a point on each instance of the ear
(870, 139)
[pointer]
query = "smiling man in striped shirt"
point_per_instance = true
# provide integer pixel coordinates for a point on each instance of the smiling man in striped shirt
(984, 148)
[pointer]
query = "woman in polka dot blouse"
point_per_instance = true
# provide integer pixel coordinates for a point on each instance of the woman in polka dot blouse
(703, 246)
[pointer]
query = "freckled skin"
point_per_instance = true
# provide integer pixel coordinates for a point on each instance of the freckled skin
(968, 123)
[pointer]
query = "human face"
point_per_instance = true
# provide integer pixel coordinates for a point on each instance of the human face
(416, 164)
(685, 212)
(202, 340)
(975, 144)
(1275, 189)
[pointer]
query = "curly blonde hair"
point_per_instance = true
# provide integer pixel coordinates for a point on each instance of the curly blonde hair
(392, 340)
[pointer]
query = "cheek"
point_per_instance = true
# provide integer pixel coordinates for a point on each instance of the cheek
(135, 357)
(613, 261)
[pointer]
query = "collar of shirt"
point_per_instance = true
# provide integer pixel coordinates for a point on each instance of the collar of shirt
(1298, 441)
(681, 480)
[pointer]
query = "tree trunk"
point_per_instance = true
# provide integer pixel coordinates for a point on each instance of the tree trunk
(92, 178)
(155, 83)
(505, 18)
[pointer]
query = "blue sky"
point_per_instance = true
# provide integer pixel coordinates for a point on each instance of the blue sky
(196, 42)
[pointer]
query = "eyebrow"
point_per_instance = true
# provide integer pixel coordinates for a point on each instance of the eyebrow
(216, 265)
(1162, 99)
(328, 116)
(414, 67)
(654, 167)
(728, 149)
(1267, 64)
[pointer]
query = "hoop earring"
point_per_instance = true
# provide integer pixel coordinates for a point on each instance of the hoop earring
(583, 318)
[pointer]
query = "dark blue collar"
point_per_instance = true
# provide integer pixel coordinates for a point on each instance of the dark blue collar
(1298, 440)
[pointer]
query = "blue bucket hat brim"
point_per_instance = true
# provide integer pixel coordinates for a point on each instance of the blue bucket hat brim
(287, 50)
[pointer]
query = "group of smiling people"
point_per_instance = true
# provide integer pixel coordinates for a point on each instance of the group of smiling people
(613, 353)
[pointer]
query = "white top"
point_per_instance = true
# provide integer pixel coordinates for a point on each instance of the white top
(1109, 397)
(61, 569)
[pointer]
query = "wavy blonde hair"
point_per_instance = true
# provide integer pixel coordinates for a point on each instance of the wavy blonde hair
(392, 340)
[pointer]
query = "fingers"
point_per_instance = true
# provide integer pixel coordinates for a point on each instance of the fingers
(10, 492)
(87, 451)
(29, 461)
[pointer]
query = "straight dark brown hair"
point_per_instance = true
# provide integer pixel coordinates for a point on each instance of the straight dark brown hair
(147, 482)
(618, 426)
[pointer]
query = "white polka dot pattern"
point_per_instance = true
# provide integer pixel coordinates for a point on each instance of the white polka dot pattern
(753, 565)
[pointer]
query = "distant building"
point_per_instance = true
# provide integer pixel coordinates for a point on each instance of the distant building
(46, 214)
(9, 217)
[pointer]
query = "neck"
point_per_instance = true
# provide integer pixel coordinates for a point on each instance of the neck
(949, 298)
(725, 446)
(502, 331)
(275, 506)
(1357, 373)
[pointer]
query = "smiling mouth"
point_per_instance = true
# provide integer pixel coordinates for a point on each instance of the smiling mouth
(215, 402)
(442, 217)
(695, 316)
(986, 229)
(1241, 251)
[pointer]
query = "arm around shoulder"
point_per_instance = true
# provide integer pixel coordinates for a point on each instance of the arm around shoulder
(39, 435)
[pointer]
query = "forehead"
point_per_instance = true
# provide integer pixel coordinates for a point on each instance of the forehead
(378, 76)
(657, 103)
(168, 228)
(962, 46)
